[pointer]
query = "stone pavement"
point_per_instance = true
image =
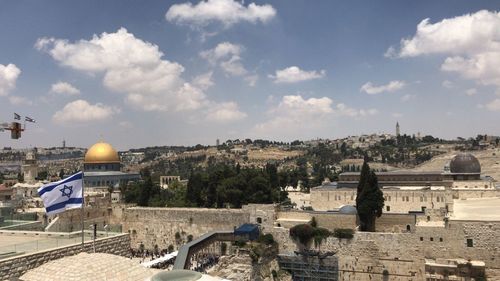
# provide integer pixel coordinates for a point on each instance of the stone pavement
(86, 266)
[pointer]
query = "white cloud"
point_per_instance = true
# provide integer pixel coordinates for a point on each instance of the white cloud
(226, 12)
(408, 97)
(447, 84)
(64, 88)
(295, 115)
(392, 86)
(227, 56)
(471, 92)
(8, 77)
(344, 110)
(294, 74)
(252, 80)
(471, 41)
(397, 115)
(225, 112)
(494, 105)
(16, 100)
(82, 111)
(203, 81)
(130, 66)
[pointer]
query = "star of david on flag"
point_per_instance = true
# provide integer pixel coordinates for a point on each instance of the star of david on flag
(63, 195)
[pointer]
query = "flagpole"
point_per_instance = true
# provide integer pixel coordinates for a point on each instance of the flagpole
(83, 212)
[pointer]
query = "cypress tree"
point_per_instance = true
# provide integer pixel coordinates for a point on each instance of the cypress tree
(369, 199)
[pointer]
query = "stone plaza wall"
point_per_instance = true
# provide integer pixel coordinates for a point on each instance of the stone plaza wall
(172, 226)
(12, 268)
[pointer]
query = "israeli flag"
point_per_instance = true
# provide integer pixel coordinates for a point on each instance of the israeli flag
(62, 195)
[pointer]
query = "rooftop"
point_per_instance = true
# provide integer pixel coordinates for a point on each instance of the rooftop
(483, 209)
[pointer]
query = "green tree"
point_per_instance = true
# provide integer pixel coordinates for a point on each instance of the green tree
(369, 199)
(146, 191)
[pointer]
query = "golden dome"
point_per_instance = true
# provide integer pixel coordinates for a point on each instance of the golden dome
(101, 152)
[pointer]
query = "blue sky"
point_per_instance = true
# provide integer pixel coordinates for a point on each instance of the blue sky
(143, 73)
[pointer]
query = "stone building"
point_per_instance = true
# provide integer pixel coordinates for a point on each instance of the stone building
(102, 168)
(413, 191)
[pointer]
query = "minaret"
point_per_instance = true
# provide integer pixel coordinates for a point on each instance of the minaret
(30, 168)
(397, 129)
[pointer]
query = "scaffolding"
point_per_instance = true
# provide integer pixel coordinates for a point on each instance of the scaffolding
(310, 266)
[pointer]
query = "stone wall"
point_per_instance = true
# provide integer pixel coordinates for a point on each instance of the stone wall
(465, 194)
(403, 254)
(395, 223)
(158, 226)
(262, 214)
(333, 220)
(396, 201)
(367, 255)
(13, 268)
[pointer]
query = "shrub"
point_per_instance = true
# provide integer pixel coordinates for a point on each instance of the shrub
(302, 233)
(320, 234)
(170, 248)
(343, 233)
(240, 243)
(190, 238)
(266, 239)
(314, 223)
(254, 255)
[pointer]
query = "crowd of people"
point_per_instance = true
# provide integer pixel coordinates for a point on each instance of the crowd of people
(203, 262)
(147, 255)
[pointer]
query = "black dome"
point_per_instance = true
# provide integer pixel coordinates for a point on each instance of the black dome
(465, 163)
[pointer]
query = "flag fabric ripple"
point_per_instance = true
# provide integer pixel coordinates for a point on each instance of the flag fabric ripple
(63, 195)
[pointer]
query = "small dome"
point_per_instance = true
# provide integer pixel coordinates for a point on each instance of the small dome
(182, 275)
(465, 163)
(348, 209)
(101, 152)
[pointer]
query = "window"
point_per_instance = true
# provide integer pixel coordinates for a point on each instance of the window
(432, 239)
(470, 243)
(440, 239)
(388, 208)
(408, 228)
(421, 238)
(259, 220)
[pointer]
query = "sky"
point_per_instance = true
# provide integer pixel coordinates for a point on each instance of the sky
(144, 73)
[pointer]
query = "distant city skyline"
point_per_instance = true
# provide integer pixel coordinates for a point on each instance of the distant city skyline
(183, 73)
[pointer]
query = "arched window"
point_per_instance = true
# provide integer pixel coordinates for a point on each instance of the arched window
(408, 228)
